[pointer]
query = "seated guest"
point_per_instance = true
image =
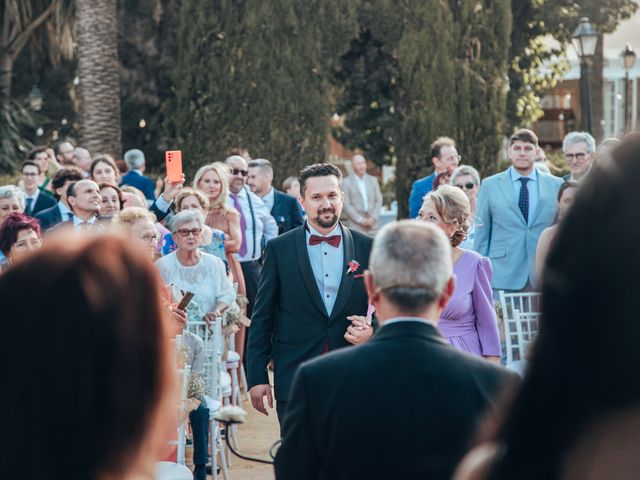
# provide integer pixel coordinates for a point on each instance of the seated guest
(605, 149)
(281, 206)
(102, 367)
(40, 156)
(11, 200)
(140, 224)
(469, 321)
(85, 202)
(63, 151)
(135, 175)
(111, 202)
(406, 389)
(194, 271)
(61, 180)
(35, 200)
(467, 179)
(19, 237)
(575, 415)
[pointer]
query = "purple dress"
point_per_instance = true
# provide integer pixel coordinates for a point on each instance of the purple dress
(469, 322)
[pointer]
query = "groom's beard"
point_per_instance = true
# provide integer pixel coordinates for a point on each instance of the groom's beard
(327, 223)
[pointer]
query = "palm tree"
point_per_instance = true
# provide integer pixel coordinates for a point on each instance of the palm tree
(99, 87)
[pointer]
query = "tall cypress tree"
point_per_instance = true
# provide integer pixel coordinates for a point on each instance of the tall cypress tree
(253, 73)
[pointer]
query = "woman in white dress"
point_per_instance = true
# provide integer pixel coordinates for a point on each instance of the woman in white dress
(194, 271)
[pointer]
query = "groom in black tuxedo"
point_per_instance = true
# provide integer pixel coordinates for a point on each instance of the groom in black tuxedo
(310, 286)
(407, 403)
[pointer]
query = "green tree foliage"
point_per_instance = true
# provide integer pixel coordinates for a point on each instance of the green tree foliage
(364, 81)
(254, 74)
(532, 19)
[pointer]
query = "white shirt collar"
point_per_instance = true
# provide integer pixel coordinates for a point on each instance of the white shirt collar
(312, 231)
(33, 196)
(64, 210)
(515, 175)
(77, 221)
(410, 319)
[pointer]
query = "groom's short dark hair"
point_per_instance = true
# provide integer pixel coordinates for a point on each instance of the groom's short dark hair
(318, 170)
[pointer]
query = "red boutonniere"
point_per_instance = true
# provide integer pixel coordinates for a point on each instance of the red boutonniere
(353, 267)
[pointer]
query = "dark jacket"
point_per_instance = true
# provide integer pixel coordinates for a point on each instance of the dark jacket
(404, 405)
(289, 321)
(43, 202)
(142, 183)
(49, 218)
(286, 211)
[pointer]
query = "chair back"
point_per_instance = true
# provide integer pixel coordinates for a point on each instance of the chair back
(520, 331)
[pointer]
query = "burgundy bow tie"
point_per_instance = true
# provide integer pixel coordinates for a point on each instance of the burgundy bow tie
(333, 240)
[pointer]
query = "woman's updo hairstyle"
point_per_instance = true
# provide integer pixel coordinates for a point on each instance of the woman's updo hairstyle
(453, 206)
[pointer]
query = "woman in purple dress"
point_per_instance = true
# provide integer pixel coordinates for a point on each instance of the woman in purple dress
(469, 321)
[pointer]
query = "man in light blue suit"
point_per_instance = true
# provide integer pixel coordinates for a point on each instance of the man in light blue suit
(444, 157)
(514, 207)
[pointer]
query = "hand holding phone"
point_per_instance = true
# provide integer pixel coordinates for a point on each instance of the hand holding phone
(173, 160)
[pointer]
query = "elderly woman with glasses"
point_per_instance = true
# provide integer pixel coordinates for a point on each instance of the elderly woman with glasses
(467, 178)
(192, 270)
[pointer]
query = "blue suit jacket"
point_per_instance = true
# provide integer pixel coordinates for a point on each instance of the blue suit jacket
(49, 218)
(419, 189)
(286, 211)
(142, 183)
(502, 234)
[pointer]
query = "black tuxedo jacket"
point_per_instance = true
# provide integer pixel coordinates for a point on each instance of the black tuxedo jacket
(403, 405)
(49, 218)
(286, 212)
(289, 321)
(43, 202)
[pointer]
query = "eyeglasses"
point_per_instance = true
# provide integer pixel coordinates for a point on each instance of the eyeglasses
(466, 186)
(150, 237)
(237, 171)
(185, 232)
(28, 174)
(453, 157)
(575, 156)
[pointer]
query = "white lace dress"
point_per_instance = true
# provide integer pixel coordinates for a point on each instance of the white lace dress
(207, 279)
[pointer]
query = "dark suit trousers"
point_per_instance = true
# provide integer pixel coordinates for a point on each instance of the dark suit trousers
(199, 419)
(281, 410)
(251, 272)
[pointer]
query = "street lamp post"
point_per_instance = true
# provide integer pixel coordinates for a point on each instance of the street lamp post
(585, 41)
(628, 60)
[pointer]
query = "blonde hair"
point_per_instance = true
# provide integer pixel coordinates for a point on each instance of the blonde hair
(132, 215)
(188, 192)
(222, 171)
(134, 191)
(453, 206)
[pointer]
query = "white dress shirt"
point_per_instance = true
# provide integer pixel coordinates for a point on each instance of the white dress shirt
(362, 187)
(410, 319)
(269, 199)
(78, 222)
(266, 225)
(64, 211)
(534, 189)
(327, 263)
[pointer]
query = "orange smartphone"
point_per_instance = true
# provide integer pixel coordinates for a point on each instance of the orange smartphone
(173, 160)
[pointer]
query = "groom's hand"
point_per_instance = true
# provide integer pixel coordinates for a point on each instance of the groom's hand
(257, 394)
(359, 331)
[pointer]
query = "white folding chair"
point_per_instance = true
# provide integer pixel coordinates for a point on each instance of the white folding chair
(526, 302)
(519, 333)
(216, 381)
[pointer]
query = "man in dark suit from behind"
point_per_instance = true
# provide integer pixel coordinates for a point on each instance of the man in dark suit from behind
(135, 176)
(283, 208)
(407, 391)
(60, 212)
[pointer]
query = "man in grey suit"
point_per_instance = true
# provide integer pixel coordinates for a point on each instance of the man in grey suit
(514, 207)
(362, 198)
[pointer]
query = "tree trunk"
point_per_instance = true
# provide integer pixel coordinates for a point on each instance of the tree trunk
(6, 71)
(99, 88)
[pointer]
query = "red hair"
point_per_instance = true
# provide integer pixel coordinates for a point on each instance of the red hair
(13, 224)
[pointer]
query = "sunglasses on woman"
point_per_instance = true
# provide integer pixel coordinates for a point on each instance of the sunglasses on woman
(466, 186)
